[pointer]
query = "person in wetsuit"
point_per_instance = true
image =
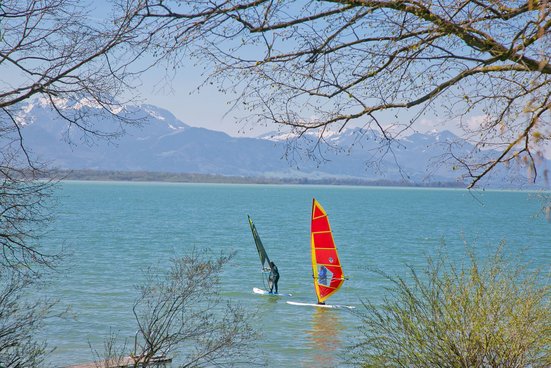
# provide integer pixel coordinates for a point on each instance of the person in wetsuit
(322, 277)
(274, 277)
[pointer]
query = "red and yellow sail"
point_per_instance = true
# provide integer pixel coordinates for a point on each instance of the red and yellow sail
(324, 253)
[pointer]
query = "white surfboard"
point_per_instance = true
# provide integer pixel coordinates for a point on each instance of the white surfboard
(265, 292)
(333, 306)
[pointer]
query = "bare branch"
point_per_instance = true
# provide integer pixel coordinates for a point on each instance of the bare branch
(311, 64)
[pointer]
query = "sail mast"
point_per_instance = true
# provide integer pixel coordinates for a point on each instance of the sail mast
(324, 255)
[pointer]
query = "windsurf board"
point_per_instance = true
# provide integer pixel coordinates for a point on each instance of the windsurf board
(333, 306)
(265, 292)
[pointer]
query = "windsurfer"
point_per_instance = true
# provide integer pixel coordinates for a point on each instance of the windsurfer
(323, 275)
(274, 277)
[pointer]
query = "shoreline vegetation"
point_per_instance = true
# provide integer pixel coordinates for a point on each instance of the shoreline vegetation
(168, 177)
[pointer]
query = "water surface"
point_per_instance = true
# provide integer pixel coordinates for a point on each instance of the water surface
(115, 230)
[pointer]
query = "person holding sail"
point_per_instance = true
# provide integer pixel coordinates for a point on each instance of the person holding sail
(274, 277)
(322, 277)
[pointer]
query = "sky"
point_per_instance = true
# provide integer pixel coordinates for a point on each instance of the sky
(206, 107)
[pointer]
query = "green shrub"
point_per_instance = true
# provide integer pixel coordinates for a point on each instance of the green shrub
(480, 314)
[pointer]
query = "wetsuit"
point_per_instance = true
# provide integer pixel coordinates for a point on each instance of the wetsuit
(274, 278)
(323, 276)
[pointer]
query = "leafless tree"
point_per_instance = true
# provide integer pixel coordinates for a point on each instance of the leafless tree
(24, 217)
(182, 311)
(482, 65)
(113, 353)
(56, 52)
(20, 318)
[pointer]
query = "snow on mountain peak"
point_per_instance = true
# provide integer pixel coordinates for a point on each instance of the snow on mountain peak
(21, 117)
(66, 104)
(326, 134)
(153, 112)
(163, 115)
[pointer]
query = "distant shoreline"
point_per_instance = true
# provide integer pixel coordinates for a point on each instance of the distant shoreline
(151, 176)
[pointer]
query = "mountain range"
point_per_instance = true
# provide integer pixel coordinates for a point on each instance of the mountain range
(162, 143)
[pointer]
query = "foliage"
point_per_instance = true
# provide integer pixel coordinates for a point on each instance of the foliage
(491, 314)
(384, 65)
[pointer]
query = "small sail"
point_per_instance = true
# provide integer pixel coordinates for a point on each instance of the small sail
(264, 260)
(328, 273)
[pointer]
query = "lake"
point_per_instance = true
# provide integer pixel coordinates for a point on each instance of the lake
(115, 230)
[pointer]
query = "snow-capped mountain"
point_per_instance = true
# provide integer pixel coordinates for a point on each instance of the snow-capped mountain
(159, 142)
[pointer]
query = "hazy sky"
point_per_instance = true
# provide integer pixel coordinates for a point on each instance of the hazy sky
(209, 108)
(206, 107)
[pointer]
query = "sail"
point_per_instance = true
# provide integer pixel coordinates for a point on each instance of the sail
(328, 273)
(264, 260)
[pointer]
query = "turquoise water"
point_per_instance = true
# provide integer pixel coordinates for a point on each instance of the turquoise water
(115, 230)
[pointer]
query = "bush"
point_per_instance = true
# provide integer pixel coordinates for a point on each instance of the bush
(491, 314)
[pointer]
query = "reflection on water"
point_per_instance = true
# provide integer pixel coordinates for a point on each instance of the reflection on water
(324, 337)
